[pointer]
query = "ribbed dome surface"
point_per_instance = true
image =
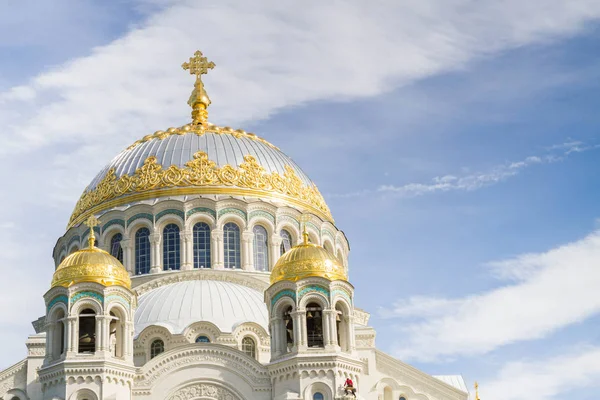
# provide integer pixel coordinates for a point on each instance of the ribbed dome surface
(177, 305)
(91, 265)
(306, 260)
(221, 148)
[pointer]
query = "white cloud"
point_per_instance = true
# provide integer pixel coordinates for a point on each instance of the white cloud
(546, 292)
(545, 379)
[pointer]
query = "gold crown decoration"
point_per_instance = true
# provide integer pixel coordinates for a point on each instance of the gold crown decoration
(199, 175)
(307, 260)
(91, 265)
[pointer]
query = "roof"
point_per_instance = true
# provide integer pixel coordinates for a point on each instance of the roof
(453, 380)
(177, 305)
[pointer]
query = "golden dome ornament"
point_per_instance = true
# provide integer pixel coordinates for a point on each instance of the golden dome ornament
(199, 101)
(91, 265)
(307, 260)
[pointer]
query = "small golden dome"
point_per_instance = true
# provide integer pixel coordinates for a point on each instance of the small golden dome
(306, 260)
(91, 265)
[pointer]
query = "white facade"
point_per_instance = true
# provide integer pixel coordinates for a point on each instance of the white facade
(211, 329)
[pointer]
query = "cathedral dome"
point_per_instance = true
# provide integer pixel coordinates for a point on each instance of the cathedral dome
(306, 260)
(196, 159)
(91, 265)
(177, 305)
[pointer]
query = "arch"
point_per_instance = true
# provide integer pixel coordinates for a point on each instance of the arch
(287, 241)
(231, 217)
(205, 390)
(156, 347)
(73, 248)
(57, 331)
(142, 250)
(117, 331)
(202, 339)
(193, 219)
(343, 325)
(115, 246)
(16, 394)
(388, 393)
(171, 247)
(87, 302)
(249, 346)
(261, 248)
(84, 394)
(328, 245)
(316, 297)
(312, 391)
(232, 245)
(293, 229)
(201, 233)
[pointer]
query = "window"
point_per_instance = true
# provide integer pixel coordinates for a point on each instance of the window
(261, 248)
(115, 247)
(202, 339)
(231, 244)
(402, 398)
(157, 347)
(87, 331)
(249, 346)
(286, 241)
(318, 396)
(201, 245)
(171, 255)
(142, 251)
(288, 323)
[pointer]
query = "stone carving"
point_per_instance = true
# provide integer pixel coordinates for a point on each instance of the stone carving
(204, 391)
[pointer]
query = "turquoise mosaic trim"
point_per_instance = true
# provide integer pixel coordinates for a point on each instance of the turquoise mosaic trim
(264, 214)
(205, 210)
(171, 211)
(75, 238)
(327, 233)
(289, 219)
(283, 293)
(237, 211)
(313, 288)
(117, 298)
(113, 222)
(343, 293)
(147, 216)
(58, 299)
(310, 224)
(81, 295)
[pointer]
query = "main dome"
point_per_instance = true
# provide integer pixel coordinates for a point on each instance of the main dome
(189, 160)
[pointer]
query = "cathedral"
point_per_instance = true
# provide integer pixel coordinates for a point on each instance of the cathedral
(202, 263)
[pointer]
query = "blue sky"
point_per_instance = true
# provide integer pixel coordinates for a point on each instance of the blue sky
(456, 143)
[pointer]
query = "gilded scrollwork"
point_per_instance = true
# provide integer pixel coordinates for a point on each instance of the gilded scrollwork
(199, 172)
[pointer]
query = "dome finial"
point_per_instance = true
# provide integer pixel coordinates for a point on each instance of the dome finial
(199, 65)
(304, 219)
(477, 391)
(92, 222)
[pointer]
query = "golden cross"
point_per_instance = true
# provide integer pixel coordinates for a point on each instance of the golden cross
(476, 391)
(92, 222)
(198, 64)
(304, 218)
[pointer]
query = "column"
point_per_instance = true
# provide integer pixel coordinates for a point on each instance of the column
(299, 318)
(50, 341)
(334, 332)
(129, 341)
(187, 262)
(247, 251)
(275, 246)
(71, 334)
(329, 338)
(216, 248)
(155, 253)
(126, 245)
(99, 333)
(275, 347)
(350, 332)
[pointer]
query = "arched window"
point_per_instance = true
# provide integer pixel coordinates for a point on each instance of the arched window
(201, 245)
(142, 251)
(286, 241)
(249, 346)
(87, 331)
(314, 325)
(261, 248)
(388, 393)
(329, 247)
(116, 333)
(402, 398)
(231, 244)
(342, 327)
(57, 347)
(157, 347)
(318, 396)
(202, 339)
(171, 254)
(115, 247)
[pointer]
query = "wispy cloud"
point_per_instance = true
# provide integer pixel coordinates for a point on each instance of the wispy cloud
(435, 329)
(474, 181)
(546, 379)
